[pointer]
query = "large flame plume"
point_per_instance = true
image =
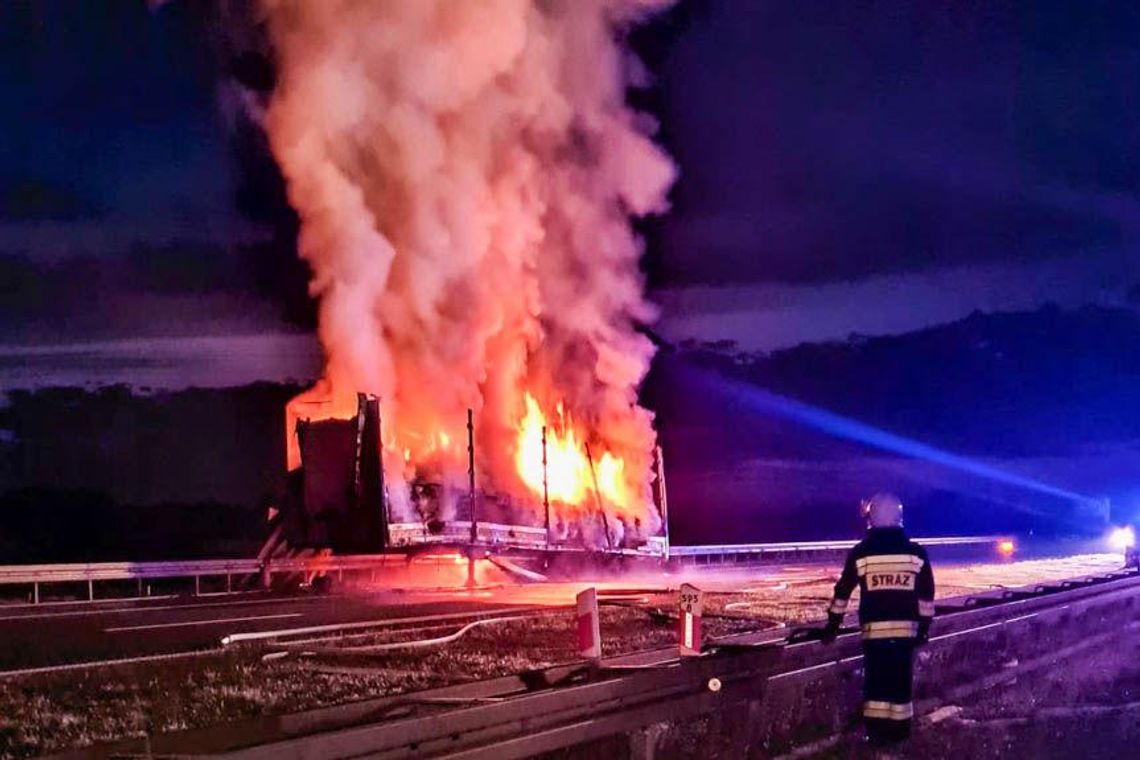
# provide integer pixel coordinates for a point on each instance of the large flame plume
(465, 172)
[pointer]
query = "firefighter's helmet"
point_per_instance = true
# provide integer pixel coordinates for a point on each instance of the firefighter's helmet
(883, 510)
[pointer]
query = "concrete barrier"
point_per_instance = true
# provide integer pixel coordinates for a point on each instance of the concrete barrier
(803, 706)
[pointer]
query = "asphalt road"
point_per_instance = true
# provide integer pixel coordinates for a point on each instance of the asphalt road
(46, 635)
(34, 636)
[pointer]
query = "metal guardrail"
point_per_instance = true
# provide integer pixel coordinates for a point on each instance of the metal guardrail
(813, 546)
(93, 572)
(107, 571)
(492, 535)
(89, 573)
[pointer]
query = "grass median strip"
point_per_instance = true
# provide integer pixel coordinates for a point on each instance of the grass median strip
(49, 712)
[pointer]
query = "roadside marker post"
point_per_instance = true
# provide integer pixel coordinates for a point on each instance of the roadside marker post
(589, 626)
(689, 634)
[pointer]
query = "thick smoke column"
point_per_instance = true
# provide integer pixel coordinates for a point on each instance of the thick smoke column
(464, 173)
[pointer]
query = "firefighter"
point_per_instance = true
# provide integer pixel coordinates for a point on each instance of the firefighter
(896, 587)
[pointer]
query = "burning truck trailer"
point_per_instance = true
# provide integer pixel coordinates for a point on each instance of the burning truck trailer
(337, 499)
(465, 203)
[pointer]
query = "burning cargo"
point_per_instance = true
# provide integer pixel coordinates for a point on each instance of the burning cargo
(350, 492)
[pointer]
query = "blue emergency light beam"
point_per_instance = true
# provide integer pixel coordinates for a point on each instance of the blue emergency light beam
(860, 432)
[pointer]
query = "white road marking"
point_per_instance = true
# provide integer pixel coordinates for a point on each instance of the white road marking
(103, 663)
(200, 622)
(380, 623)
(165, 607)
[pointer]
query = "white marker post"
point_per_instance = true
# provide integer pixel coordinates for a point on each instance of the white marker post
(692, 604)
(589, 627)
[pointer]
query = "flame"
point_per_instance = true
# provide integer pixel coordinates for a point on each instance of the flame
(568, 475)
(611, 479)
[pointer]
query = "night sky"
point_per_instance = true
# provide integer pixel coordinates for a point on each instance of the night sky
(111, 122)
(845, 167)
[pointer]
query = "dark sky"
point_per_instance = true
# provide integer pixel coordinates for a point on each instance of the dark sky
(876, 167)
(110, 112)
(843, 139)
(845, 166)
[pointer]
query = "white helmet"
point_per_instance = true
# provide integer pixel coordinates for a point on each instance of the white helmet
(883, 510)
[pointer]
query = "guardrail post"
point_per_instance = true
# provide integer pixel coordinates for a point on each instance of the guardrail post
(90, 590)
(35, 593)
(197, 585)
(229, 585)
(643, 743)
(140, 587)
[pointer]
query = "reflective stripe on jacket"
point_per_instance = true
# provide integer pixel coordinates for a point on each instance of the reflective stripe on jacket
(896, 585)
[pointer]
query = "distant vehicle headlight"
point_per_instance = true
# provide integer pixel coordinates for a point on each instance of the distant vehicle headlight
(1122, 539)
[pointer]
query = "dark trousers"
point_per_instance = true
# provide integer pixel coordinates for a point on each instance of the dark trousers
(888, 666)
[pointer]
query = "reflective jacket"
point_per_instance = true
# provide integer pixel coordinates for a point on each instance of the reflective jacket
(896, 586)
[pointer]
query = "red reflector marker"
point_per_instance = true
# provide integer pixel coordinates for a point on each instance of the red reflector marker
(589, 626)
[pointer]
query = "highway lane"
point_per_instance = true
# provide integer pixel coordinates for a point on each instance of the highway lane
(32, 637)
(54, 634)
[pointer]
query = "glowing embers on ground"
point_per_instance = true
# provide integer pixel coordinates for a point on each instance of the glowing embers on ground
(570, 473)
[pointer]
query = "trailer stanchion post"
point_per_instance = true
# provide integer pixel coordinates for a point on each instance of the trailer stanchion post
(545, 486)
(598, 497)
(662, 494)
(471, 470)
(643, 742)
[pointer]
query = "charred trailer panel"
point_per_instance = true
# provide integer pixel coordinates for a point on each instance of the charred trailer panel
(335, 498)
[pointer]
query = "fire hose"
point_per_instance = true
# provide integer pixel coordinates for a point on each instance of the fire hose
(398, 645)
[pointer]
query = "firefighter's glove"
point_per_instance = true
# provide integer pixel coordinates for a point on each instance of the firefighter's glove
(830, 632)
